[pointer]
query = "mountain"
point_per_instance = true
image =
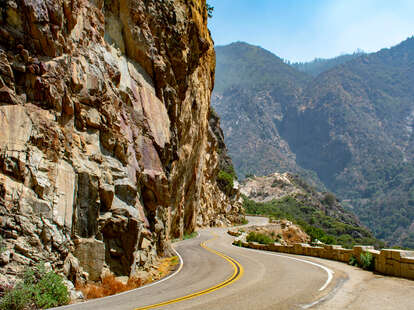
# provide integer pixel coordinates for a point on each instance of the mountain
(253, 89)
(363, 111)
(239, 60)
(106, 149)
(351, 125)
(320, 214)
(319, 65)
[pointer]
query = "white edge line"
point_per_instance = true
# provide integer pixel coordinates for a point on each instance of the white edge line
(166, 278)
(328, 271)
(135, 289)
(324, 297)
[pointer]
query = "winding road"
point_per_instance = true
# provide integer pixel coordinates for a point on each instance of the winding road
(217, 275)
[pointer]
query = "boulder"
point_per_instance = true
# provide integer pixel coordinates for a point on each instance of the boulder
(91, 255)
(4, 257)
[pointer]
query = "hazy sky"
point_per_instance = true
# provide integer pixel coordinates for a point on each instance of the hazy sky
(300, 30)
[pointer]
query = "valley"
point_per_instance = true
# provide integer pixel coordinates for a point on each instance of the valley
(347, 129)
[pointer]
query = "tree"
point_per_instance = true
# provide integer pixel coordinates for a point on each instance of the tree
(210, 10)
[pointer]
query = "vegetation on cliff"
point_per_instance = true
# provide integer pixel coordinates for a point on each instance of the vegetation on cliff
(39, 289)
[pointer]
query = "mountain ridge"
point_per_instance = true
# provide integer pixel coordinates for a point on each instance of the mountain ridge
(351, 124)
(319, 65)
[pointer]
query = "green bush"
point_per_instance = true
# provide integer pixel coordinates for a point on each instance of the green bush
(367, 261)
(353, 261)
(329, 199)
(244, 221)
(38, 290)
(190, 235)
(238, 243)
(260, 238)
(225, 182)
(210, 10)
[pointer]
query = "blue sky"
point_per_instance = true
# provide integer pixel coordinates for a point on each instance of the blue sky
(300, 30)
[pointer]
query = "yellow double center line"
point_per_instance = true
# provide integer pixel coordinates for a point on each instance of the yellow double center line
(237, 274)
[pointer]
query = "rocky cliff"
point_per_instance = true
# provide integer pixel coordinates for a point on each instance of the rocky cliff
(105, 146)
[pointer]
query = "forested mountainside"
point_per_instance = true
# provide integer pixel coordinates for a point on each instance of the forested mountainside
(352, 125)
(253, 89)
(319, 65)
(106, 149)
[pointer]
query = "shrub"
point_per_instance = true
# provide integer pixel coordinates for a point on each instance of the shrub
(210, 10)
(367, 261)
(353, 261)
(258, 237)
(109, 286)
(237, 243)
(277, 183)
(190, 235)
(18, 298)
(329, 199)
(39, 289)
(225, 182)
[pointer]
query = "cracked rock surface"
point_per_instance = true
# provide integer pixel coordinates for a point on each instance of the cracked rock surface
(106, 152)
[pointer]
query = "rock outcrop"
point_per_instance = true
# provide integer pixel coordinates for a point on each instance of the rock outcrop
(320, 214)
(105, 146)
(280, 231)
(278, 186)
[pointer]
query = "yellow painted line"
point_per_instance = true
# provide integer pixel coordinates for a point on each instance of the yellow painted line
(237, 274)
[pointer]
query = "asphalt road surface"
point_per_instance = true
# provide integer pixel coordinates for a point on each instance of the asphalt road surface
(217, 275)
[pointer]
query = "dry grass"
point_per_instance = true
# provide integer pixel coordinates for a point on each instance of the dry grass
(110, 285)
(166, 265)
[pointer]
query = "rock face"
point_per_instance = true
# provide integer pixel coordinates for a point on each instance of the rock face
(105, 146)
(281, 231)
(267, 188)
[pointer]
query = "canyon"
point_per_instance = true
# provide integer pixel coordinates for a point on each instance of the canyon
(346, 129)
